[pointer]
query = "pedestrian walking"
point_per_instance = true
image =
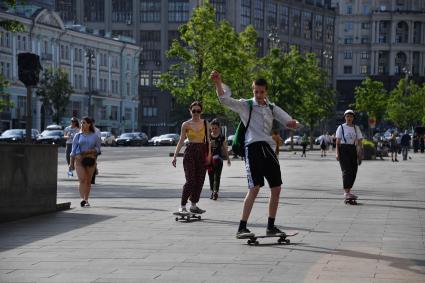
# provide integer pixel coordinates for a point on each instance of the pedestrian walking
(219, 153)
(197, 156)
(393, 146)
(405, 144)
(99, 134)
(324, 143)
(416, 142)
(260, 160)
(69, 134)
(304, 143)
(422, 143)
(85, 147)
(348, 139)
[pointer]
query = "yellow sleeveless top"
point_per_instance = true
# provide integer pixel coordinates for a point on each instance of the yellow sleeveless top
(196, 135)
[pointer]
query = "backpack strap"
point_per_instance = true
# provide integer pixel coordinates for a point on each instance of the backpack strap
(250, 112)
(343, 134)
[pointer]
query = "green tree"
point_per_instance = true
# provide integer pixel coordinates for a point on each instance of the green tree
(405, 106)
(205, 45)
(371, 98)
(12, 26)
(54, 91)
(298, 85)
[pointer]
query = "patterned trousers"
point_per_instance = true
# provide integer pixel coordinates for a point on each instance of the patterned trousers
(194, 171)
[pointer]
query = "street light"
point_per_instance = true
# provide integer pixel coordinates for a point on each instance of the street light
(90, 55)
(274, 37)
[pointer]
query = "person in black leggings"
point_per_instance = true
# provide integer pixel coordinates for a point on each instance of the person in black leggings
(348, 137)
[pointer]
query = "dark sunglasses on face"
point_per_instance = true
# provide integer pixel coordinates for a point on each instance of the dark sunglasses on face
(196, 111)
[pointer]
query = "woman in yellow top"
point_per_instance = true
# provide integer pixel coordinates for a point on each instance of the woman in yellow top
(197, 156)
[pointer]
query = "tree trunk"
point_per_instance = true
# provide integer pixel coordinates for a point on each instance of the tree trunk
(311, 129)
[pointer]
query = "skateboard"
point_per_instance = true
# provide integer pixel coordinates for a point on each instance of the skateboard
(188, 216)
(282, 238)
(351, 201)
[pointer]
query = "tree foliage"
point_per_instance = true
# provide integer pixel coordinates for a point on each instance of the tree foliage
(10, 25)
(406, 104)
(205, 45)
(54, 91)
(299, 85)
(371, 98)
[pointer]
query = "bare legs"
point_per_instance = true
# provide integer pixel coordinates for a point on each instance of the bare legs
(84, 176)
(252, 195)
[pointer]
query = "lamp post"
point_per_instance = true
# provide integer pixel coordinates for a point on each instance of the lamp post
(90, 55)
(274, 37)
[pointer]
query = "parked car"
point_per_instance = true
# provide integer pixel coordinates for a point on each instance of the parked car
(18, 135)
(152, 140)
(144, 137)
(129, 139)
(107, 138)
(51, 137)
(230, 140)
(296, 140)
(167, 139)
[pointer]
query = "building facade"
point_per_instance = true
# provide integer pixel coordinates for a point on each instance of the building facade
(153, 24)
(384, 39)
(112, 69)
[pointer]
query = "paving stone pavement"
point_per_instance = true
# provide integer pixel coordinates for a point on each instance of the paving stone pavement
(129, 234)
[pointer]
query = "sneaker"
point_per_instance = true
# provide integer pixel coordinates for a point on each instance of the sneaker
(196, 210)
(215, 197)
(83, 203)
(350, 196)
(183, 210)
(244, 233)
(212, 195)
(274, 231)
(87, 204)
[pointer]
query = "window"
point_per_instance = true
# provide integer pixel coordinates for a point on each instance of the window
(364, 69)
(349, 9)
(382, 38)
(122, 11)
(144, 78)
(364, 55)
(151, 44)
(115, 61)
(318, 27)
(127, 114)
(74, 109)
(365, 9)
(150, 11)
(104, 113)
(283, 14)
(66, 9)
(149, 106)
(348, 26)
(103, 59)
(348, 69)
(128, 88)
(94, 10)
(296, 22)
(329, 30)
(365, 39)
(259, 14)
(155, 77)
(348, 40)
(365, 25)
(246, 12)
(307, 23)
(272, 14)
(348, 55)
(5, 70)
(114, 113)
(178, 11)
(220, 9)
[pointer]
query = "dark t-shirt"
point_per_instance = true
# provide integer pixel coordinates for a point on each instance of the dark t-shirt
(217, 145)
(405, 140)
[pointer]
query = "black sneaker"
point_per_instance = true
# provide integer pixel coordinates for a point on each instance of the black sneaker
(244, 233)
(274, 231)
(197, 210)
(83, 203)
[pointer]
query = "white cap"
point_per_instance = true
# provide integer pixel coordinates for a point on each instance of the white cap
(349, 111)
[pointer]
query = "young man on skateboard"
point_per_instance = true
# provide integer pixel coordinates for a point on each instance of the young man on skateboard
(260, 159)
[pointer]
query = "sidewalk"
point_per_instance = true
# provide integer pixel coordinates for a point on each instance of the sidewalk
(129, 234)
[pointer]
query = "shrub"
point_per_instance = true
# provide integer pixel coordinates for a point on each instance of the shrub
(369, 150)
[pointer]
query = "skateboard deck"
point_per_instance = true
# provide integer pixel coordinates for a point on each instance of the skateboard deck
(282, 239)
(351, 201)
(188, 216)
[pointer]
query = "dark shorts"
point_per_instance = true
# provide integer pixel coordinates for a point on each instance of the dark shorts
(261, 162)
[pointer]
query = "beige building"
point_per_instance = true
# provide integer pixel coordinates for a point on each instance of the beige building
(384, 39)
(113, 71)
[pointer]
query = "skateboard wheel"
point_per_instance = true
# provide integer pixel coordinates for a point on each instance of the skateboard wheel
(287, 242)
(256, 243)
(249, 242)
(177, 219)
(199, 217)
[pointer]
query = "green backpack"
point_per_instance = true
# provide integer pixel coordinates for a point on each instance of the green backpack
(238, 144)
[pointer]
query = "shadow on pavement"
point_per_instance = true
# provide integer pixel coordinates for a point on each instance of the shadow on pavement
(396, 262)
(30, 230)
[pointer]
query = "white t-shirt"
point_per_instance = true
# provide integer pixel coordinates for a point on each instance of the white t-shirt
(349, 133)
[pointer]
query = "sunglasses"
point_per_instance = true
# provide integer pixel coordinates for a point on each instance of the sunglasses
(196, 111)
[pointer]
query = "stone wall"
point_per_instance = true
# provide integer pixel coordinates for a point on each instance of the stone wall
(28, 180)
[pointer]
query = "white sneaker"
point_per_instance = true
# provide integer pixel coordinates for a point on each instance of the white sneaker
(183, 210)
(350, 196)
